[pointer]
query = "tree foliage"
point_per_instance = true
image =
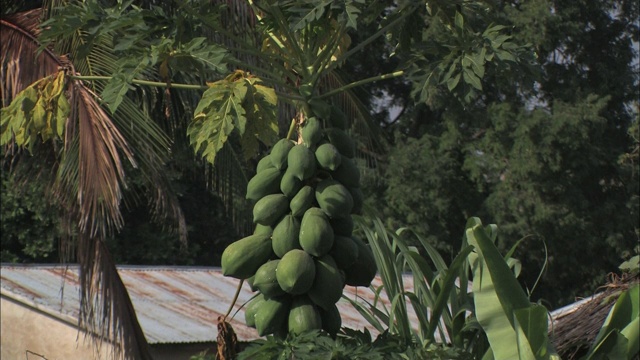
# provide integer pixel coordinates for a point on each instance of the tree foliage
(537, 154)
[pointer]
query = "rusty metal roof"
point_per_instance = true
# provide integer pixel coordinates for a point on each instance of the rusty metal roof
(173, 304)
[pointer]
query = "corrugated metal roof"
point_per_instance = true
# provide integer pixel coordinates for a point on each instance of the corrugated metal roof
(173, 304)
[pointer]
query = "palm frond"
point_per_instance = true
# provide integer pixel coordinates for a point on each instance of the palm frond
(88, 184)
(109, 312)
(21, 65)
(100, 165)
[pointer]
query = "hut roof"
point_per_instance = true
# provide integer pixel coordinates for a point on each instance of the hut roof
(576, 327)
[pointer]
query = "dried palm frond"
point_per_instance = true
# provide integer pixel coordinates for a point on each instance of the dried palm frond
(19, 37)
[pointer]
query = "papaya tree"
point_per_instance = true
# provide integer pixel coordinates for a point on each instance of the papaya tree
(119, 85)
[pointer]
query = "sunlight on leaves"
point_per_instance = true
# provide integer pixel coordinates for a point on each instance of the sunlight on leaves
(236, 103)
(40, 110)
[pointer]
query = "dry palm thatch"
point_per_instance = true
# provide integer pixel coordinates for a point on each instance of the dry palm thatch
(574, 333)
(90, 177)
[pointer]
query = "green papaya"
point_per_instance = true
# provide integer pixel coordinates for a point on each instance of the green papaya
(263, 229)
(339, 118)
(327, 285)
(320, 108)
(364, 269)
(265, 279)
(311, 132)
(272, 314)
(342, 141)
(342, 225)
(303, 316)
(295, 272)
(242, 258)
(264, 163)
(264, 183)
(290, 185)
(347, 173)
(328, 157)
(331, 320)
(302, 162)
(270, 209)
(285, 236)
(344, 251)
(358, 200)
(279, 153)
(250, 282)
(316, 234)
(334, 198)
(302, 201)
(252, 307)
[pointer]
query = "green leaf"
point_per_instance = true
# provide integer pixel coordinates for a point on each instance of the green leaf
(237, 102)
(262, 122)
(453, 82)
(501, 306)
(471, 78)
(618, 337)
(63, 111)
(531, 325)
(459, 21)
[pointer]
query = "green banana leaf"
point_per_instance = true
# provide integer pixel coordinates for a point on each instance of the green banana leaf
(515, 328)
(619, 337)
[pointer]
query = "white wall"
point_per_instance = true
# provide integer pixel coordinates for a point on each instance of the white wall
(26, 329)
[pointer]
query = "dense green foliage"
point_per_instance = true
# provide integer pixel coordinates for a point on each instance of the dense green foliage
(547, 155)
(29, 226)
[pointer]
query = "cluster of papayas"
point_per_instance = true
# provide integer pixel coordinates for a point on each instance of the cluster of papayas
(302, 252)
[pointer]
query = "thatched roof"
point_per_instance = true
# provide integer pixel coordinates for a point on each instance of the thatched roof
(574, 331)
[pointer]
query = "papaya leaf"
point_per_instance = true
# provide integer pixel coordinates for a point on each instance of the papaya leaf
(352, 12)
(262, 121)
(235, 103)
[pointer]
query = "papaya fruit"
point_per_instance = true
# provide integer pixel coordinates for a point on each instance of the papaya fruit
(342, 225)
(250, 282)
(342, 141)
(242, 258)
(251, 309)
(302, 162)
(271, 314)
(328, 283)
(262, 229)
(334, 198)
(347, 173)
(265, 280)
(264, 163)
(316, 234)
(364, 269)
(320, 108)
(285, 236)
(279, 153)
(331, 320)
(295, 272)
(328, 157)
(290, 185)
(338, 118)
(344, 251)
(358, 200)
(311, 132)
(303, 316)
(302, 201)
(264, 183)
(270, 209)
